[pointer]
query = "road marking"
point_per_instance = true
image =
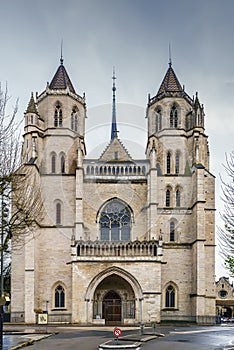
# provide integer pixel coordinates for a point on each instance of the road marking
(191, 332)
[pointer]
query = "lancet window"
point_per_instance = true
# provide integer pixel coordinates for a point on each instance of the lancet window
(170, 296)
(59, 296)
(58, 116)
(158, 120)
(62, 160)
(177, 163)
(168, 198)
(74, 119)
(53, 163)
(172, 231)
(58, 213)
(177, 198)
(174, 117)
(168, 163)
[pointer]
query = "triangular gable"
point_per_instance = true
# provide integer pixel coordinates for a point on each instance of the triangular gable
(115, 152)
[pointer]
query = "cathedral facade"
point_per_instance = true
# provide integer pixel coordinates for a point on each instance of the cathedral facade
(123, 240)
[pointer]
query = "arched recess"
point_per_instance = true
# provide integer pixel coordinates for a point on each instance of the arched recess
(62, 164)
(119, 272)
(58, 206)
(104, 276)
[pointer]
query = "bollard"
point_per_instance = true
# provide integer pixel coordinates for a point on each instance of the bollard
(142, 328)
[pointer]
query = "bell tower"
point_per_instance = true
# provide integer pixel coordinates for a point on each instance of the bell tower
(181, 187)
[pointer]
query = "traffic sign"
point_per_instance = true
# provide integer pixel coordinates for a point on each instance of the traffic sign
(117, 332)
(42, 318)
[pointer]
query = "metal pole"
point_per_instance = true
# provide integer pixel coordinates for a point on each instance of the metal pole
(47, 302)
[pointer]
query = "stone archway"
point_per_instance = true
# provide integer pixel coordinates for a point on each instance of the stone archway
(118, 289)
(114, 301)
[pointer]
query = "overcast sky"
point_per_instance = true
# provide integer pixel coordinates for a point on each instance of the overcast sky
(133, 36)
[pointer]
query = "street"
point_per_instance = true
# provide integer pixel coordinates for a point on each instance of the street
(176, 338)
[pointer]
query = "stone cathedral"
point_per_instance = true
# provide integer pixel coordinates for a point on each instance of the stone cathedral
(124, 241)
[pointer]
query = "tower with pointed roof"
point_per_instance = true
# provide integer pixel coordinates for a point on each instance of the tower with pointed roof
(110, 219)
(181, 199)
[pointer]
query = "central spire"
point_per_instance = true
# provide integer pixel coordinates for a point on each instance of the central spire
(114, 124)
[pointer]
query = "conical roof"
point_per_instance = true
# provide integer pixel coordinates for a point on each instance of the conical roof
(61, 79)
(170, 82)
(32, 108)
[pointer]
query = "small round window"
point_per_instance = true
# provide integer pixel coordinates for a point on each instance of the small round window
(223, 293)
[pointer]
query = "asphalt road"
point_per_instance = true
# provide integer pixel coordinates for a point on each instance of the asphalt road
(176, 338)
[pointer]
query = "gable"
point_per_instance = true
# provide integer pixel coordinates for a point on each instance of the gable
(115, 152)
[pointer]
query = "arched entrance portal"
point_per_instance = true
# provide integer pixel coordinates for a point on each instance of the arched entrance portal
(114, 301)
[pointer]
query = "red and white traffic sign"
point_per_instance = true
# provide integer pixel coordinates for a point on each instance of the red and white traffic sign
(117, 332)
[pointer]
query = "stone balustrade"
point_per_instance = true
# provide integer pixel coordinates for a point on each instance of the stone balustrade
(133, 249)
(115, 170)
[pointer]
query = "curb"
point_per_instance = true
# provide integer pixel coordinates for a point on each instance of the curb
(30, 342)
(27, 343)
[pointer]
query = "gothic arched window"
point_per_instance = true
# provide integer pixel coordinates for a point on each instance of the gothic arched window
(177, 198)
(58, 213)
(168, 198)
(177, 163)
(168, 163)
(115, 222)
(174, 117)
(170, 296)
(58, 116)
(74, 119)
(53, 163)
(158, 120)
(62, 160)
(59, 296)
(172, 231)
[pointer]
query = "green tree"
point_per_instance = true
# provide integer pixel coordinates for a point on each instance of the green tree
(226, 234)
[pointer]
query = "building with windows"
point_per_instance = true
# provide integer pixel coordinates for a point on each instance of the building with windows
(224, 298)
(123, 241)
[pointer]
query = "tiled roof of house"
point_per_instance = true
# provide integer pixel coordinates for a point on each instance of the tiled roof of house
(61, 80)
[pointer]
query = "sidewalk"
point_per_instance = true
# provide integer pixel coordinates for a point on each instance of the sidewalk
(16, 336)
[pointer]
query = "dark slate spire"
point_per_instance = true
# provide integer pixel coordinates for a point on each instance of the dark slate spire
(170, 82)
(61, 79)
(32, 108)
(114, 123)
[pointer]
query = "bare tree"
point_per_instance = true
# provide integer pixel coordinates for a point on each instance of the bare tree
(20, 201)
(226, 234)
